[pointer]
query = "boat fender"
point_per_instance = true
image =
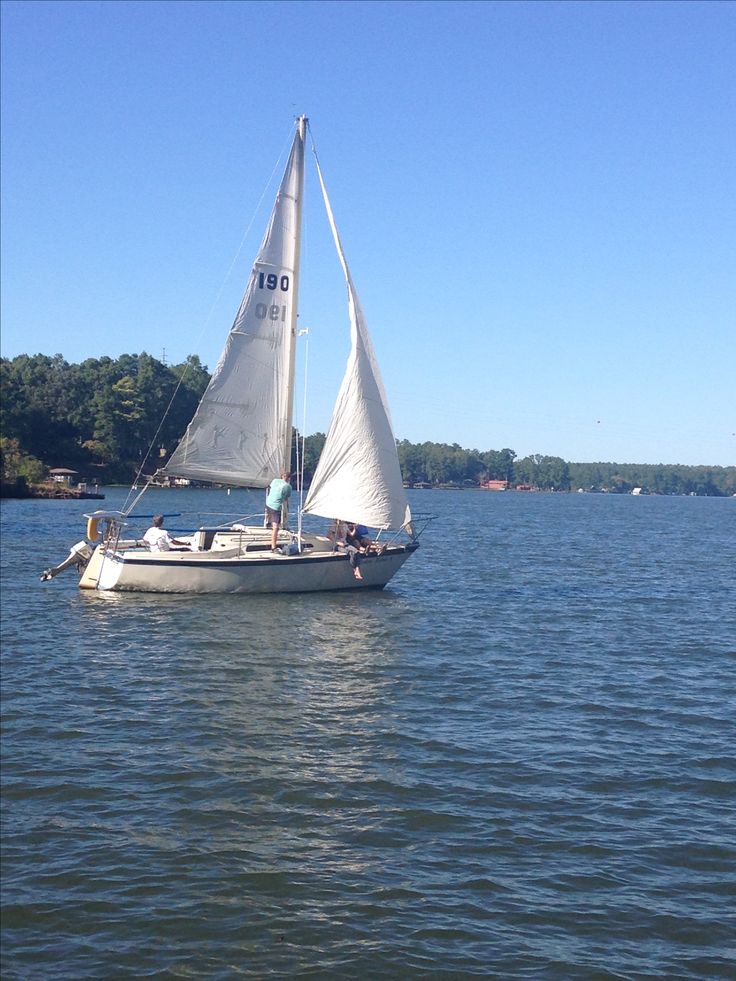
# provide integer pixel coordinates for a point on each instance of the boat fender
(93, 530)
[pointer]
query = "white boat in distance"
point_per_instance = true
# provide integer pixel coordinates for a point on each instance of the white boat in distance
(241, 435)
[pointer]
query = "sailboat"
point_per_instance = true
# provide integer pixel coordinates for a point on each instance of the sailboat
(241, 436)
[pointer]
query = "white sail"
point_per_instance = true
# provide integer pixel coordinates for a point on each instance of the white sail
(358, 477)
(241, 431)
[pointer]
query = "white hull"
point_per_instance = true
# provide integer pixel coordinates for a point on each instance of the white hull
(135, 570)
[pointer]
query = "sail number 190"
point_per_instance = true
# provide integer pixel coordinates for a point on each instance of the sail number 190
(270, 281)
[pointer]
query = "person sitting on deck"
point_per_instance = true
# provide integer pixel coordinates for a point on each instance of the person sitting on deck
(366, 542)
(346, 540)
(159, 540)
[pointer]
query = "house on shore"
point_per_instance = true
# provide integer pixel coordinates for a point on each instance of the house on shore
(60, 475)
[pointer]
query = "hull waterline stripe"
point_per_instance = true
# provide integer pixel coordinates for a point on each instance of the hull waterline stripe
(251, 563)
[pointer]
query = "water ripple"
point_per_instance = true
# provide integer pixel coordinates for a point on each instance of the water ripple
(517, 762)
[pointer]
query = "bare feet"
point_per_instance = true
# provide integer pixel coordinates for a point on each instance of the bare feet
(357, 573)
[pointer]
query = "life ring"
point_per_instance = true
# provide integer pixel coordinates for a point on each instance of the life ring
(92, 529)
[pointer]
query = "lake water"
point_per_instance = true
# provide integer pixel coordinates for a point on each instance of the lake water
(517, 761)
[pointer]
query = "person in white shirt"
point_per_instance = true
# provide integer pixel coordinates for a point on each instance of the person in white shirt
(158, 539)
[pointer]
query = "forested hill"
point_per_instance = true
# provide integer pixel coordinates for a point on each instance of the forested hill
(101, 417)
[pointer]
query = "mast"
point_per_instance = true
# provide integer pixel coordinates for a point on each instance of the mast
(301, 131)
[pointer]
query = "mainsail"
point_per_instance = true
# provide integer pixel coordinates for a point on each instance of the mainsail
(241, 431)
(358, 477)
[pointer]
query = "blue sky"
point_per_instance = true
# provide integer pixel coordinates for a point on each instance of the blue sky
(537, 202)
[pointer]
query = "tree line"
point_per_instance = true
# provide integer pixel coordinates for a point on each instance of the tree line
(436, 464)
(99, 417)
(103, 418)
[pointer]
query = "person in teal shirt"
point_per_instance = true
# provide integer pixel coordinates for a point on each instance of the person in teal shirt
(279, 492)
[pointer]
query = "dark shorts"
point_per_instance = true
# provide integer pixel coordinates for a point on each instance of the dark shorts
(273, 517)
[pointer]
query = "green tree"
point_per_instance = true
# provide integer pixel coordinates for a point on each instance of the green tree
(412, 462)
(499, 464)
(312, 448)
(16, 465)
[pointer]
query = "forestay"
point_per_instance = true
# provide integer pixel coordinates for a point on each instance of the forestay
(241, 431)
(358, 477)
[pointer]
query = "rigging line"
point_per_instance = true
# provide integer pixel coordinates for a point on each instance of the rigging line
(206, 323)
(127, 510)
(300, 464)
(246, 233)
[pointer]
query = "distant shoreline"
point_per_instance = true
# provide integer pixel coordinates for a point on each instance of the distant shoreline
(46, 492)
(53, 493)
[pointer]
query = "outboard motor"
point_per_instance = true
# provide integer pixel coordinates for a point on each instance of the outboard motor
(79, 555)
